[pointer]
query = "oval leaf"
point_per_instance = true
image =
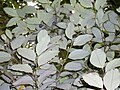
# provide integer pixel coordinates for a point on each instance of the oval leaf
(42, 45)
(73, 66)
(98, 58)
(78, 54)
(93, 79)
(47, 56)
(70, 30)
(27, 53)
(22, 67)
(4, 56)
(10, 11)
(99, 3)
(112, 64)
(16, 43)
(82, 39)
(112, 79)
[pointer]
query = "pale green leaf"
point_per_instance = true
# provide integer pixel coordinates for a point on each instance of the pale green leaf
(42, 45)
(10, 11)
(93, 79)
(70, 30)
(86, 3)
(29, 9)
(24, 80)
(73, 66)
(100, 15)
(75, 18)
(12, 21)
(98, 58)
(22, 67)
(82, 39)
(112, 64)
(4, 56)
(27, 53)
(61, 25)
(9, 34)
(109, 26)
(17, 42)
(99, 3)
(33, 20)
(41, 35)
(44, 16)
(78, 54)
(112, 79)
(46, 57)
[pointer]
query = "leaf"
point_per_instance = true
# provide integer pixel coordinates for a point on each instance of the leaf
(23, 80)
(10, 11)
(27, 53)
(12, 21)
(99, 3)
(75, 18)
(61, 25)
(42, 45)
(46, 57)
(78, 54)
(29, 9)
(43, 41)
(4, 56)
(9, 34)
(97, 34)
(70, 30)
(73, 66)
(112, 79)
(93, 79)
(82, 39)
(33, 20)
(98, 58)
(86, 3)
(112, 64)
(109, 27)
(100, 15)
(22, 67)
(17, 42)
(41, 35)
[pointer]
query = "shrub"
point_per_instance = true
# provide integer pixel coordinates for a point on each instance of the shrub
(61, 46)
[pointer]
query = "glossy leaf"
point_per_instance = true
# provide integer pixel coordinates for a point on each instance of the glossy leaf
(27, 53)
(112, 79)
(78, 54)
(93, 79)
(22, 67)
(98, 58)
(82, 39)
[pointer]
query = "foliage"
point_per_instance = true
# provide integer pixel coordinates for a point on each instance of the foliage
(58, 45)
